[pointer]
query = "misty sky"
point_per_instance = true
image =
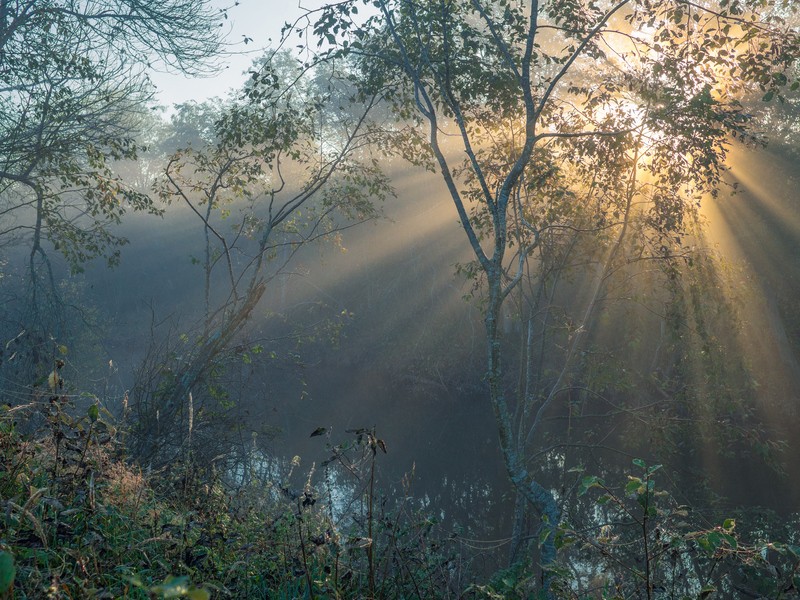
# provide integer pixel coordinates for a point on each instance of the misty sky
(260, 20)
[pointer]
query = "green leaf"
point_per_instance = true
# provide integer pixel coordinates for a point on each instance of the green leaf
(93, 412)
(768, 96)
(731, 540)
(173, 587)
(588, 482)
(7, 571)
(633, 485)
(706, 592)
(544, 535)
(639, 463)
(62, 349)
(712, 541)
(562, 541)
(198, 594)
(729, 524)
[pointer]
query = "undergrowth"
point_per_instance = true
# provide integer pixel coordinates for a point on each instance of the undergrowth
(79, 520)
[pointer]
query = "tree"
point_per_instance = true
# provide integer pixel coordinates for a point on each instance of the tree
(582, 117)
(288, 164)
(73, 89)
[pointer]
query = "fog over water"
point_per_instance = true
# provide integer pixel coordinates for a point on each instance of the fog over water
(408, 359)
(410, 356)
(407, 353)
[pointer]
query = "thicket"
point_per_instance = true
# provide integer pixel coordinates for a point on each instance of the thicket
(81, 521)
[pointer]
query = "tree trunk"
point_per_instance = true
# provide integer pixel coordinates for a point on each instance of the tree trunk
(533, 492)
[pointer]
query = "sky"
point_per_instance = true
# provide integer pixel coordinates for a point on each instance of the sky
(259, 20)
